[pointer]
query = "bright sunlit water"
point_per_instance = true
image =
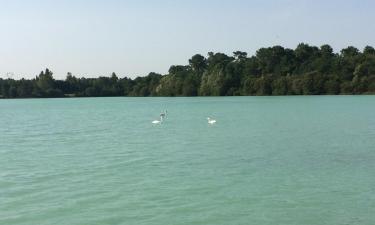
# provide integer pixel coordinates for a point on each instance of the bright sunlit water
(267, 160)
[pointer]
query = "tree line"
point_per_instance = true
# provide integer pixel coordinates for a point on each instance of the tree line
(305, 70)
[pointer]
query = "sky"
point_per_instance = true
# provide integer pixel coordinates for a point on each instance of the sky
(92, 38)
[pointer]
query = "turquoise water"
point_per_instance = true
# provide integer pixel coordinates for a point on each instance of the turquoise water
(267, 160)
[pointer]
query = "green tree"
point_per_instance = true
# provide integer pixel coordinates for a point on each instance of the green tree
(271, 71)
(198, 63)
(280, 86)
(238, 55)
(369, 50)
(45, 80)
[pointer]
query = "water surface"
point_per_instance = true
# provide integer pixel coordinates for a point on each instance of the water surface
(268, 160)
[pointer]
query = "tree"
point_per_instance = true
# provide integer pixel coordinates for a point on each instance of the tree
(114, 78)
(349, 52)
(271, 71)
(326, 51)
(332, 85)
(280, 86)
(349, 58)
(45, 80)
(263, 85)
(198, 63)
(369, 50)
(238, 55)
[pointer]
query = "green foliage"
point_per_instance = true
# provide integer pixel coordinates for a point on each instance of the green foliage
(280, 86)
(263, 85)
(198, 64)
(45, 80)
(332, 85)
(306, 70)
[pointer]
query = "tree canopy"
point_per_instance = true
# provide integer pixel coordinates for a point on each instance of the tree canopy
(305, 70)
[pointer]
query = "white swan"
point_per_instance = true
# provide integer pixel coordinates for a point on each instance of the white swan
(158, 121)
(210, 121)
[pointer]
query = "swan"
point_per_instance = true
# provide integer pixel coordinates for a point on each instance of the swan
(158, 121)
(210, 121)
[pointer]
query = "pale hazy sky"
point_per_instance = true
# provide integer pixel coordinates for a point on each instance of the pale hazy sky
(134, 37)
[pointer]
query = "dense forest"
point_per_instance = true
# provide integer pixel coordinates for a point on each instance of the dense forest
(306, 70)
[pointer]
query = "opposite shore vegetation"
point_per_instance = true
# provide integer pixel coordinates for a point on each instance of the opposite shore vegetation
(306, 70)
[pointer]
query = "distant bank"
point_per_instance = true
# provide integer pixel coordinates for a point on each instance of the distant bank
(306, 70)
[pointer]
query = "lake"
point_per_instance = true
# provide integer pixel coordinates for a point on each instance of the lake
(268, 160)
